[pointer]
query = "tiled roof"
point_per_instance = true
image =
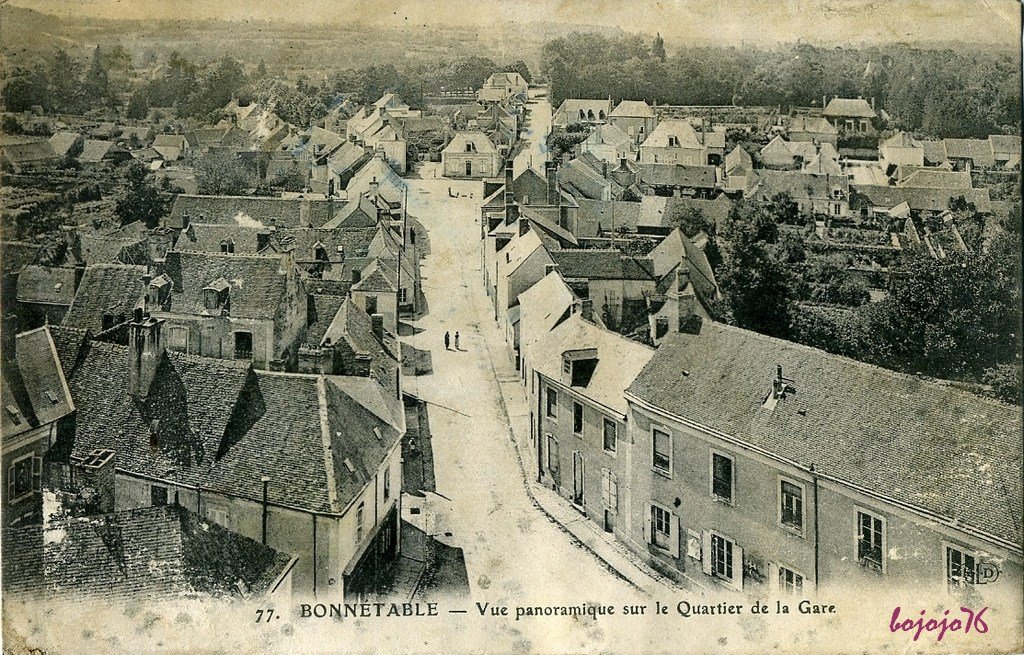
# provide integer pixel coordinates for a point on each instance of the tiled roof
(34, 383)
(62, 142)
(1005, 144)
(587, 180)
(633, 109)
(46, 284)
(901, 140)
(607, 135)
(346, 157)
(679, 250)
(602, 265)
(32, 152)
(205, 237)
(977, 150)
(94, 150)
(931, 179)
(934, 151)
(114, 288)
(812, 124)
(686, 136)
(390, 184)
(258, 285)
(15, 255)
(925, 444)
(738, 161)
(569, 110)
(481, 142)
(595, 216)
(849, 107)
(619, 359)
(377, 278)
(145, 553)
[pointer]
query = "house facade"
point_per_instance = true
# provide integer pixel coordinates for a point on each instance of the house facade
(471, 154)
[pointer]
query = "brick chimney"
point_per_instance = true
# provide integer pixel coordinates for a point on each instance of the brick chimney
(551, 176)
(145, 351)
(377, 325)
(510, 199)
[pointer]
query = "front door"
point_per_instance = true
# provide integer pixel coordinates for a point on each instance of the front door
(577, 477)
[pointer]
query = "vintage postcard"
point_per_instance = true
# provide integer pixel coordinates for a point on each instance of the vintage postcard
(511, 326)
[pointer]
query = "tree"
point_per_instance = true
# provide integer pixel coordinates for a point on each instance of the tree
(658, 49)
(221, 174)
(139, 199)
(96, 85)
(754, 275)
(519, 66)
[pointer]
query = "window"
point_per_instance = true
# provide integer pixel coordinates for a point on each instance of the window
(552, 456)
(673, 142)
(662, 451)
(157, 496)
(470, 147)
(320, 254)
(610, 489)
(577, 418)
(722, 477)
(721, 557)
(870, 541)
(837, 209)
(218, 516)
(359, 521)
(469, 168)
(661, 526)
(371, 305)
(178, 338)
(243, 345)
(791, 505)
(387, 483)
(552, 408)
(23, 477)
(961, 568)
(610, 437)
(227, 246)
(791, 583)
(403, 295)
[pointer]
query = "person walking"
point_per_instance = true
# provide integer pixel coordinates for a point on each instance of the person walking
(456, 341)
(448, 341)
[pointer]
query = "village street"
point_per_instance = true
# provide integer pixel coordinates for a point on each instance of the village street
(535, 133)
(513, 551)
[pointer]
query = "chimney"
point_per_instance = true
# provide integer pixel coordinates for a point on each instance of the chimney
(95, 481)
(374, 188)
(551, 176)
(146, 350)
(361, 367)
(549, 268)
(510, 199)
(524, 227)
(587, 309)
(377, 324)
(604, 169)
(872, 103)
(287, 261)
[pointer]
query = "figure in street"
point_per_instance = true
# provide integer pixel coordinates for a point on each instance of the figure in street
(448, 341)
(456, 341)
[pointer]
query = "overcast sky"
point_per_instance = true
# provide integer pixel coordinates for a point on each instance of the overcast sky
(729, 21)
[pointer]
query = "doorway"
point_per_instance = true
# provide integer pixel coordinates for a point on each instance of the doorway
(577, 478)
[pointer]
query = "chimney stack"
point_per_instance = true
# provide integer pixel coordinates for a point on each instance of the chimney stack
(510, 199)
(146, 350)
(377, 324)
(551, 176)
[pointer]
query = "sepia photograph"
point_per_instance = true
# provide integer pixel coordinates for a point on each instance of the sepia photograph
(511, 326)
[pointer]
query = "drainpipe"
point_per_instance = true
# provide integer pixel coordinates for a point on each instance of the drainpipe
(814, 477)
(266, 483)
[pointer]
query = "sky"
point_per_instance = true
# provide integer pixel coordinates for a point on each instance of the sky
(727, 21)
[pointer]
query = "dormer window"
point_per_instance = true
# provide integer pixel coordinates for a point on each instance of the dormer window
(673, 141)
(227, 246)
(216, 296)
(837, 193)
(583, 115)
(470, 146)
(320, 253)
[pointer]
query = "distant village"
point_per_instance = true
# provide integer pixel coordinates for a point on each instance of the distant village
(214, 398)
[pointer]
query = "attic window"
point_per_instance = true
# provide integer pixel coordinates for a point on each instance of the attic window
(53, 397)
(154, 431)
(320, 253)
(227, 246)
(673, 141)
(349, 466)
(15, 414)
(470, 147)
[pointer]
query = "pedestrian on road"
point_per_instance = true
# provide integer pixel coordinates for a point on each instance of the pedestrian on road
(456, 341)
(448, 340)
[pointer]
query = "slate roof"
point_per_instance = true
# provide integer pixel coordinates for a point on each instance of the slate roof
(633, 109)
(69, 343)
(849, 107)
(146, 553)
(619, 359)
(323, 309)
(812, 124)
(588, 181)
(569, 110)
(15, 255)
(597, 216)
(934, 151)
(677, 175)
(222, 426)
(602, 265)
(681, 129)
(926, 444)
(390, 184)
(738, 162)
(205, 237)
(480, 141)
(607, 135)
(49, 285)
(679, 250)
(346, 157)
(799, 185)
(32, 152)
(547, 302)
(354, 326)
(114, 288)
(249, 210)
(34, 385)
(258, 285)
(377, 278)
(935, 200)
(1005, 144)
